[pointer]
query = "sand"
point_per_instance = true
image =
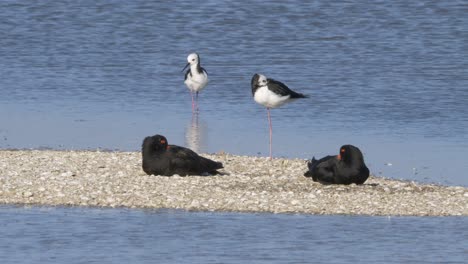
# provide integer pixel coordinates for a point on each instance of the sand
(251, 184)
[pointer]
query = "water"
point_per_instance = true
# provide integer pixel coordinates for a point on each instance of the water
(85, 235)
(390, 77)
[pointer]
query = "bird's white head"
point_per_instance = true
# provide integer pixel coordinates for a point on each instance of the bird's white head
(193, 58)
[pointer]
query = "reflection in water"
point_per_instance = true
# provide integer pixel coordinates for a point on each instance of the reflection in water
(195, 134)
(408, 104)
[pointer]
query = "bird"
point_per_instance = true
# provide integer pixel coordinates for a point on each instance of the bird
(271, 94)
(196, 78)
(160, 158)
(345, 168)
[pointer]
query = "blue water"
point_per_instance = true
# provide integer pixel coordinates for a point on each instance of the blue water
(390, 77)
(85, 235)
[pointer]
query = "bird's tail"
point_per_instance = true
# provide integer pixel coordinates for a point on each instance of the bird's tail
(311, 164)
(210, 165)
(295, 95)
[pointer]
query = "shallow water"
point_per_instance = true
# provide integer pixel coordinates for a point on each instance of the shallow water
(90, 235)
(388, 77)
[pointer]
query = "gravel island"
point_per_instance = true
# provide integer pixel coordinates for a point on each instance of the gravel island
(250, 184)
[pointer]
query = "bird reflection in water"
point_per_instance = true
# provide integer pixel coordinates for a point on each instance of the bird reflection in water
(195, 134)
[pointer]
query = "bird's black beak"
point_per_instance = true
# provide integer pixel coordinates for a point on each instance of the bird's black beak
(186, 66)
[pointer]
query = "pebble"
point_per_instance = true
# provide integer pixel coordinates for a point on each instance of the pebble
(28, 194)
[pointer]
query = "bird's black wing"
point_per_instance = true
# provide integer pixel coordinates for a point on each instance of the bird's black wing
(210, 166)
(200, 70)
(355, 173)
(281, 89)
(185, 161)
(322, 170)
(278, 87)
(182, 158)
(187, 74)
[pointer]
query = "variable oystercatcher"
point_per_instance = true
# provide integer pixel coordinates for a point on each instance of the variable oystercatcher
(345, 168)
(159, 158)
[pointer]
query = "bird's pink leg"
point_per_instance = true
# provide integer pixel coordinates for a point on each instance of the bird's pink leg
(271, 131)
(193, 102)
(196, 102)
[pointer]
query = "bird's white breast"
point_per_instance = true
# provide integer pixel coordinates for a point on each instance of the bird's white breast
(268, 98)
(196, 81)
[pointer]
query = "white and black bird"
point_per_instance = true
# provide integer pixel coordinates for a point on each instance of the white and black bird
(196, 78)
(271, 94)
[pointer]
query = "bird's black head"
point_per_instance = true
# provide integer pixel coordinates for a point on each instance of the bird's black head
(155, 143)
(350, 153)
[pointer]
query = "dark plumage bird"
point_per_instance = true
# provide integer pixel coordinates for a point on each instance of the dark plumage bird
(345, 168)
(159, 158)
(271, 94)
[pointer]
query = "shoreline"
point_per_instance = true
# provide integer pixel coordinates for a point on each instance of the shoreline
(252, 184)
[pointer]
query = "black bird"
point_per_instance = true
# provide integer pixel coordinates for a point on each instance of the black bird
(345, 168)
(271, 94)
(159, 158)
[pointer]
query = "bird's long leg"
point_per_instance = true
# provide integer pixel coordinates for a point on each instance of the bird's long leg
(193, 102)
(271, 131)
(196, 102)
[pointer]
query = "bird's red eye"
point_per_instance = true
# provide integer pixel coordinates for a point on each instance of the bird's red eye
(162, 141)
(342, 150)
